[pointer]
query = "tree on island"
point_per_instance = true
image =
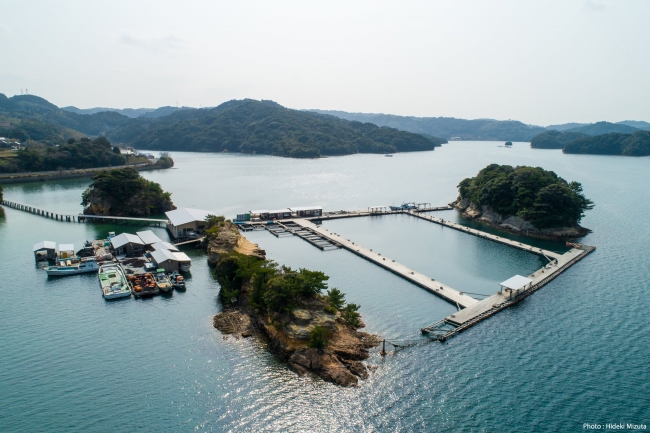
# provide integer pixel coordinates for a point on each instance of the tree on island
(123, 192)
(533, 194)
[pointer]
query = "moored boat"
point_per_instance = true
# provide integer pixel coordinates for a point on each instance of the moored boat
(143, 285)
(113, 282)
(162, 281)
(73, 267)
(177, 280)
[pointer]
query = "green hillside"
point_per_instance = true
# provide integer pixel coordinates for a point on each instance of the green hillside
(447, 127)
(637, 144)
(265, 127)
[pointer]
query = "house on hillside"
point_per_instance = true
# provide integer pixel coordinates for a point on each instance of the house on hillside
(187, 222)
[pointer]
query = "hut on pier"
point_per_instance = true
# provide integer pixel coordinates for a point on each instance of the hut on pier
(127, 244)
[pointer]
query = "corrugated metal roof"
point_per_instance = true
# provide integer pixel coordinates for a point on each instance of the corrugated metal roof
(164, 246)
(182, 257)
(516, 282)
(301, 208)
(66, 247)
(45, 245)
(125, 238)
(148, 237)
(161, 256)
(280, 211)
(187, 215)
(257, 212)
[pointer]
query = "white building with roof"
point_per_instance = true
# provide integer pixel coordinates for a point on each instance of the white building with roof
(148, 237)
(187, 222)
(127, 244)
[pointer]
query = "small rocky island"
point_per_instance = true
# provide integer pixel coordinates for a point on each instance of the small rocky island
(123, 192)
(306, 324)
(525, 200)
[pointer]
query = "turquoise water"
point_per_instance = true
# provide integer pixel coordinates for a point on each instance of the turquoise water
(576, 352)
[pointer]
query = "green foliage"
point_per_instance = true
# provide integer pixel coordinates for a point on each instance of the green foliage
(532, 193)
(330, 310)
(272, 288)
(478, 129)
(319, 337)
(165, 160)
(351, 316)
(127, 193)
(335, 298)
(554, 139)
(637, 144)
(265, 127)
(71, 154)
(1, 191)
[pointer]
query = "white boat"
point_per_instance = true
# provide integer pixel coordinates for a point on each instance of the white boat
(162, 281)
(389, 155)
(73, 267)
(113, 282)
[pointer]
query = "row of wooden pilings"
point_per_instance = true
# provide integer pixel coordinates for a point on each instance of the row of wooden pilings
(41, 212)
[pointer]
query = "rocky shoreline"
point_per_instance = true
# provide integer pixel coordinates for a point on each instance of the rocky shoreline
(515, 224)
(288, 334)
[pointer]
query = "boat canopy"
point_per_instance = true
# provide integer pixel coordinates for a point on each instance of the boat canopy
(516, 282)
(66, 247)
(164, 246)
(45, 245)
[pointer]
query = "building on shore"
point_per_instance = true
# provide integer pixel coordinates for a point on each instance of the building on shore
(307, 211)
(187, 222)
(148, 237)
(127, 244)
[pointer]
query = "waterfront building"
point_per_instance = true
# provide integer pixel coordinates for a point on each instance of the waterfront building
(187, 222)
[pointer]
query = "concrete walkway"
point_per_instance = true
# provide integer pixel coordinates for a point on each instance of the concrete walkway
(427, 283)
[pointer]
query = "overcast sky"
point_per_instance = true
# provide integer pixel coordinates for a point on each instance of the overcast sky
(540, 62)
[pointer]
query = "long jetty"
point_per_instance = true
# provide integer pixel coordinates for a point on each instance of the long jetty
(436, 287)
(471, 311)
(79, 218)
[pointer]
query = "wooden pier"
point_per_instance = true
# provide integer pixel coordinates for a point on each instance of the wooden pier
(81, 217)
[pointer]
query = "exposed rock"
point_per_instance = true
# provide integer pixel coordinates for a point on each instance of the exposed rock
(516, 224)
(227, 240)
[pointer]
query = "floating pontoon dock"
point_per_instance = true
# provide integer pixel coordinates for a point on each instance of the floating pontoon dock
(471, 311)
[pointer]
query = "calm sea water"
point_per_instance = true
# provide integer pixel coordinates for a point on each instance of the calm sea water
(576, 352)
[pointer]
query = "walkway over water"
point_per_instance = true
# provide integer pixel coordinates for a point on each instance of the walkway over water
(436, 287)
(81, 217)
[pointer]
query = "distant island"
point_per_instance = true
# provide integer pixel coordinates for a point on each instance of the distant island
(526, 200)
(310, 327)
(247, 126)
(635, 144)
(123, 192)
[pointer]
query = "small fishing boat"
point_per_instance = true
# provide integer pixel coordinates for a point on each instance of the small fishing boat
(143, 285)
(73, 267)
(390, 155)
(113, 282)
(162, 281)
(177, 280)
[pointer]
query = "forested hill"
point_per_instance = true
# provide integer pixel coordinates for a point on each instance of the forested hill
(636, 144)
(447, 127)
(265, 127)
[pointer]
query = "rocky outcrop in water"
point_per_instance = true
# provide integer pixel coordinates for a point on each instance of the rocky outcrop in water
(515, 224)
(288, 337)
